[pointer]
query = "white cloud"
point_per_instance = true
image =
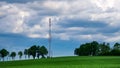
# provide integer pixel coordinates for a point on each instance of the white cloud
(31, 18)
(104, 4)
(113, 39)
(62, 36)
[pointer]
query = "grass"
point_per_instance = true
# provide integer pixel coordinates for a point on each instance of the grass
(66, 62)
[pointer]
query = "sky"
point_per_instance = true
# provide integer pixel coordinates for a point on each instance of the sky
(24, 23)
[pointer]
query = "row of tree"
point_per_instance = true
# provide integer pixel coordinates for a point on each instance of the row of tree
(34, 51)
(97, 49)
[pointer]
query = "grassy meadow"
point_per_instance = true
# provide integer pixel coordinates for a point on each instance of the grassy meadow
(66, 62)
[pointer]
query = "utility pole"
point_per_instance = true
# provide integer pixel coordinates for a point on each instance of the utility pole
(50, 38)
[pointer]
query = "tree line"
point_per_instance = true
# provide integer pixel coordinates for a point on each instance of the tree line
(34, 51)
(98, 49)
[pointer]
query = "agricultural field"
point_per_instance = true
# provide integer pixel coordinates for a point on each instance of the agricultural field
(66, 62)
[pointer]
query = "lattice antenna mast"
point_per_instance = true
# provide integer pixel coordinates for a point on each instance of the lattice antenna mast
(50, 37)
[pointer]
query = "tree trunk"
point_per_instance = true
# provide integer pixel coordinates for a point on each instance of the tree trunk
(28, 56)
(43, 56)
(20, 57)
(3, 58)
(33, 57)
(12, 58)
(25, 56)
(38, 56)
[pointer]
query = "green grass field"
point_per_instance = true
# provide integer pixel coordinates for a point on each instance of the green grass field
(66, 62)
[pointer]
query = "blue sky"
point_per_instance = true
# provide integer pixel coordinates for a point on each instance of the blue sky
(24, 23)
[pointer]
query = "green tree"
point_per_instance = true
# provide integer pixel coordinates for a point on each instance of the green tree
(83, 50)
(13, 54)
(20, 54)
(43, 51)
(25, 52)
(0, 57)
(94, 48)
(4, 53)
(33, 51)
(117, 46)
(76, 51)
(104, 49)
(29, 53)
(87, 49)
(8, 56)
(116, 50)
(38, 52)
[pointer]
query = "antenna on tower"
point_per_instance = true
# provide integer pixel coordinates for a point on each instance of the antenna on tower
(49, 38)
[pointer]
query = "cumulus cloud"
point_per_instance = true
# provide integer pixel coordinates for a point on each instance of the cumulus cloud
(80, 19)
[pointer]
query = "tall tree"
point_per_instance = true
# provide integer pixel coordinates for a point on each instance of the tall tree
(104, 49)
(116, 50)
(88, 49)
(0, 57)
(43, 51)
(20, 54)
(83, 50)
(4, 53)
(26, 53)
(95, 48)
(117, 46)
(13, 54)
(33, 51)
(8, 56)
(38, 52)
(29, 53)
(76, 51)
